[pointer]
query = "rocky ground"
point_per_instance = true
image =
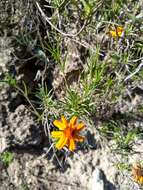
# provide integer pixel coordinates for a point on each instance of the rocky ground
(92, 167)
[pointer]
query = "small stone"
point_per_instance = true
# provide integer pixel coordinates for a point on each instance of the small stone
(3, 144)
(97, 181)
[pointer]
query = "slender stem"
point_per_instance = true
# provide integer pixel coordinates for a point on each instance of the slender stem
(22, 92)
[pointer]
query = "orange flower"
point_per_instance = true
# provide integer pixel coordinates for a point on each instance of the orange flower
(137, 172)
(118, 32)
(68, 133)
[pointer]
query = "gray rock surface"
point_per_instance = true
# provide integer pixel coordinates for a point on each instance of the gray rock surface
(17, 125)
(97, 180)
(20, 130)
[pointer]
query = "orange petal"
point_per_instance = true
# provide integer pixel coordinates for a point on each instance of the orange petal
(73, 120)
(59, 124)
(119, 29)
(56, 134)
(72, 145)
(80, 126)
(61, 143)
(79, 138)
(64, 120)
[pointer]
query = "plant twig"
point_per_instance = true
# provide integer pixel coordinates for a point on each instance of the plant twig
(58, 30)
(135, 72)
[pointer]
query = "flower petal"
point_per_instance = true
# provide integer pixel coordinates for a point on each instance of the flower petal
(62, 142)
(113, 33)
(64, 120)
(72, 145)
(80, 126)
(73, 120)
(59, 124)
(141, 180)
(120, 34)
(56, 134)
(119, 29)
(79, 138)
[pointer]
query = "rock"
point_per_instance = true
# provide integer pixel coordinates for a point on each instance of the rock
(14, 171)
(4, 179)
(3, 144)
(24, 128)
(21, 130)
(5, 55)
(2, 115)
(72, 68)
(138, 154)
(97, 181)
